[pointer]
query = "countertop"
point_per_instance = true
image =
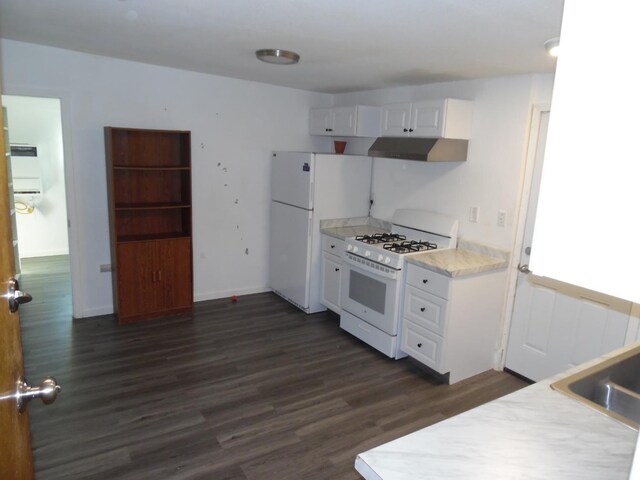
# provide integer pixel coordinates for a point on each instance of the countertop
(534, 433)
(469, 258)
(344, 228)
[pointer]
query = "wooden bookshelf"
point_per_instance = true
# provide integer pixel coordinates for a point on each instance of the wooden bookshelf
(149, 187)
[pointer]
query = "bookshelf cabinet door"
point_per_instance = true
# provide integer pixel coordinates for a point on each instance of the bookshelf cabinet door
(136, 279)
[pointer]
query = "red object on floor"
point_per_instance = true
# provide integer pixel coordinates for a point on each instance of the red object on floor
(234, 298)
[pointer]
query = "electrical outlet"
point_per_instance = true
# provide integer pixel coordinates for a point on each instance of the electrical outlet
(105, 267)
(474, 214)
(502, 218)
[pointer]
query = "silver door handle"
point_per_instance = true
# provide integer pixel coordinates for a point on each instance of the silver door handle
(15, 296)
(47, 391)
(524, 268)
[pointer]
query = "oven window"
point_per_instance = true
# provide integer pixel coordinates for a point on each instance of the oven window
(367, 291)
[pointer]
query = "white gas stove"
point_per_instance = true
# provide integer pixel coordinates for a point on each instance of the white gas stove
(412, 231)
(372, 282)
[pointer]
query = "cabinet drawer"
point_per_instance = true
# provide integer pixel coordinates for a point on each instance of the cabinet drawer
(333, 245)
(425, 309)
(428, 281)
(424, 346)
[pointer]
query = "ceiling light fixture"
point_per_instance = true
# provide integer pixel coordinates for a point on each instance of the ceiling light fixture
(277, 56)
(553, 46)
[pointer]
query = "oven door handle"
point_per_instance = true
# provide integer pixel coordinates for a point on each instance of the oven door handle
(370, 267)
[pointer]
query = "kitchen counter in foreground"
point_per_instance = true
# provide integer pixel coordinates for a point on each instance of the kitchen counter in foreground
(534, 433)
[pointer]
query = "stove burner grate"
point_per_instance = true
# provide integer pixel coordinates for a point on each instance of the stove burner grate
(380, 238)
(409, 246)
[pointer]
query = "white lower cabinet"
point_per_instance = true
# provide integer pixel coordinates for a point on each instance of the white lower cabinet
(451, 324)
(331, 283)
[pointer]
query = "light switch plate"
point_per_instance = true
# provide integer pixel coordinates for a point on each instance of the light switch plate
(502, 218)
(474, 214)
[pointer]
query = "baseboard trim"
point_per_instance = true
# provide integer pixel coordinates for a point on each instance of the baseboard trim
(43, 253)
(200, 297)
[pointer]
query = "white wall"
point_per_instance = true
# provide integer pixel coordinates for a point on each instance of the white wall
(492, 175)
(36, 121)
(235, 125)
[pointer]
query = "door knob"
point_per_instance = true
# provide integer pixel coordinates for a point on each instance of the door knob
(524, 268)
(15, 296)
(47, 391)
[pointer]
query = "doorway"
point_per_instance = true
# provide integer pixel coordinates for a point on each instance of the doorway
(38, 186)
(555, 325)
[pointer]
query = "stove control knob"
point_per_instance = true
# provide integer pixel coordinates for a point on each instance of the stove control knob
(349, 248)
(380, 257)
(355, 249)
(367, 253)
(387, 260)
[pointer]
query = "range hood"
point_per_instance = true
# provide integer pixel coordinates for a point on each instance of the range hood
(423, 149)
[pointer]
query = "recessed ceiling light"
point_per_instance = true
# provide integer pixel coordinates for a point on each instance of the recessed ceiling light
(277, 56)
(553, 46)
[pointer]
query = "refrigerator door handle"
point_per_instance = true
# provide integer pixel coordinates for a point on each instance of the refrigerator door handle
(310, 226)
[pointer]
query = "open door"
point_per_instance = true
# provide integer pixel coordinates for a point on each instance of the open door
(555, 325)
(15, 440)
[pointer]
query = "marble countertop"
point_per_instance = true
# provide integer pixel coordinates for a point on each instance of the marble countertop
(534, 433)
(344, 228)
(467, 259)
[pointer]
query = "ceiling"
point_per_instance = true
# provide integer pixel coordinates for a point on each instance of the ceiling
(345, 45)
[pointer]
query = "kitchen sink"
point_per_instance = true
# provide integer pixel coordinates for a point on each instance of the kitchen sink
(611, 387)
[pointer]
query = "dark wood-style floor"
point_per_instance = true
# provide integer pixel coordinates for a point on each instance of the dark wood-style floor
(246, 390)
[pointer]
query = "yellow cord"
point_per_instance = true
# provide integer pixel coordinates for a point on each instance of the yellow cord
(23, 208)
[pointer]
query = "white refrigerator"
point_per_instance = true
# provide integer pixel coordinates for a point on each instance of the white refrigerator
(307, 188)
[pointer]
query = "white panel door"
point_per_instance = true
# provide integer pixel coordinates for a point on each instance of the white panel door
(292, 176)
(290, 252)
(395, 120)
(556, 325)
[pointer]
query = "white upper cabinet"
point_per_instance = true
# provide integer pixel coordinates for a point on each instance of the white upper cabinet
(353, 121)
(320, 121)
(396, 119)
(448, 118)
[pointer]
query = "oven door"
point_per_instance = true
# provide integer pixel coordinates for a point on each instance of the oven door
(371, 296)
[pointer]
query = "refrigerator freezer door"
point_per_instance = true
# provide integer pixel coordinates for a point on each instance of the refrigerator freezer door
(290, 253)
(292, 176)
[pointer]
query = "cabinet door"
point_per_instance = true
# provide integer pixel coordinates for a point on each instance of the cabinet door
(174, 265)
(136, 279)
(320, 121)
(344, 121)
(427, 118)
(331, 282)
(395, 120)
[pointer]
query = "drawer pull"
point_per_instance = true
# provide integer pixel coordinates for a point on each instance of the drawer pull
(425, 281)
(333, 246)
(422, 309)
(337, 269)
(419, 345)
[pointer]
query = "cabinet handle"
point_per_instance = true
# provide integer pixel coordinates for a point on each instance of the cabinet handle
(337, 269)
(333, 246)
(425, 281)
(422, 309)
(405, 130)
(159, 275)
(419, 345)
(153, 276)
(410, 130)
